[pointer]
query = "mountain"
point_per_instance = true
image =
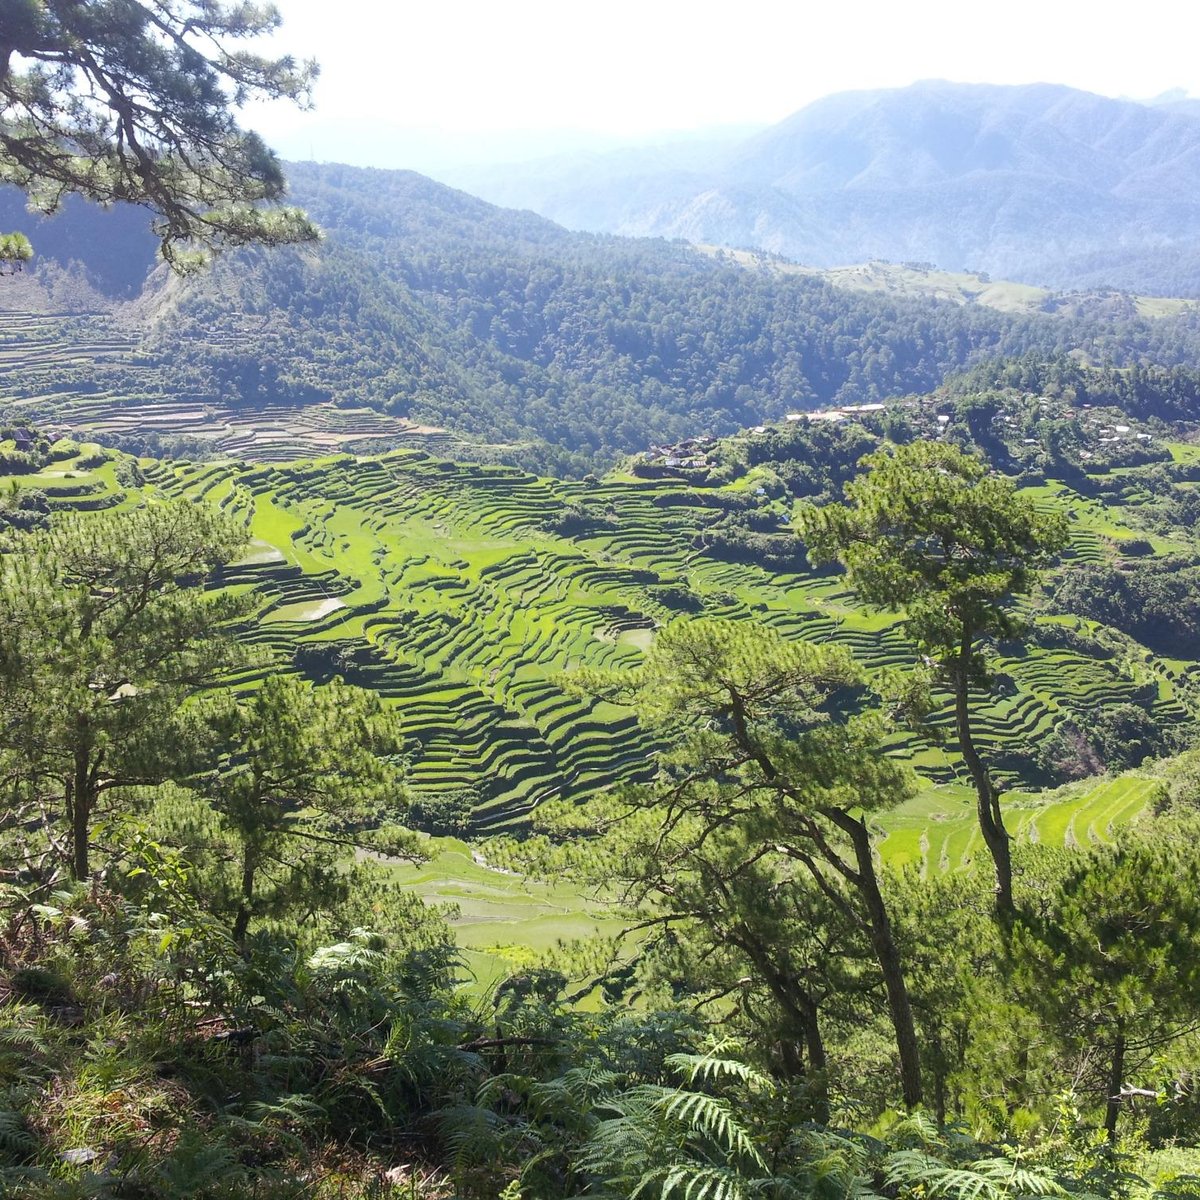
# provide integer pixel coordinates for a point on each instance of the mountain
(559, 350)
(1040, 183)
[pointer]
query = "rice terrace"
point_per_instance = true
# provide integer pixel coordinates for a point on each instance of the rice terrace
(445, 587)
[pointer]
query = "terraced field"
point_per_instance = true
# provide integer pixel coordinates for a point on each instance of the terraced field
(504, 921)
(444, 587)
(84, 374)
(937, 830)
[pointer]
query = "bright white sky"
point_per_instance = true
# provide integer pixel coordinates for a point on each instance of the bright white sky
(472, 80)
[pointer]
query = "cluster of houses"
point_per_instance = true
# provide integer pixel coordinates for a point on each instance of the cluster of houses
(1095, 424)
(694, 453)
(690, 453)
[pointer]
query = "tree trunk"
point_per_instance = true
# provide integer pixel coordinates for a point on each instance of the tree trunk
(987, 805)
(241, 921)
(1116, 1078)
(790, 1059)
(815, 1044)
(819, 1067)
(887, 954)
(939, 1081)
(801, 1015)
(80, 816)
(808, 1042)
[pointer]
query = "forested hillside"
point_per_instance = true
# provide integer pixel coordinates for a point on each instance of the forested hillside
(561, 349)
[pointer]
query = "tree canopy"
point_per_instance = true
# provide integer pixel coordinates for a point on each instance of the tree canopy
(759, 821)
(927, 529)
(121, 101)
(104, 634)
(301, 772)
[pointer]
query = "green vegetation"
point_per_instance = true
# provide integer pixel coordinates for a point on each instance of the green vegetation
(699, 801)
(960, 287)
(552, 350)
(929, 532)
(706, 821)
(133, 103)
(101, 647)
(442, 587)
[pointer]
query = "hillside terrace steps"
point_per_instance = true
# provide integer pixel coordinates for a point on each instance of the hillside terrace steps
(463, 610)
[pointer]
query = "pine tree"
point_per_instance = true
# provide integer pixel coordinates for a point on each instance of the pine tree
(105, 629)
(765, 787)
(1113, 963)
(928, 530)
(304, 774)
(121, 101)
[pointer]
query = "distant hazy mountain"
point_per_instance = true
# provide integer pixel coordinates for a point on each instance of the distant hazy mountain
(1041, 183)
(646, 173)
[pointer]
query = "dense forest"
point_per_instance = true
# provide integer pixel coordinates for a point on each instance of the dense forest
(430, 304)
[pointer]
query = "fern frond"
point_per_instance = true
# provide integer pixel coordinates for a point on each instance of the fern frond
(16, 1140)
(713, 1119)
(1016, 1180)
(917, 1126)
(698, 1181)
(471, 1133)
(708, 1068)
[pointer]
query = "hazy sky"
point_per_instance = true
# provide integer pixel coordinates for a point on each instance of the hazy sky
(472, 80)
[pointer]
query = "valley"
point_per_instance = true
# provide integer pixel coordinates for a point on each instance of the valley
(461, 594)
(683, 687)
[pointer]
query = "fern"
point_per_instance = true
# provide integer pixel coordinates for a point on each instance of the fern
(916, 1127)
(16, 1140)
(1016, 1180)
(692, 1181)
(297, 1109)
(471, 1133)
(697, 1148)
(985, 1179)
(197, 1165)
(19, 1181)
(359, 953)
(708, 1068)
(711, 1118)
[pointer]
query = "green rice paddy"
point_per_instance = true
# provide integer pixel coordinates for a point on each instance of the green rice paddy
(443, 587)
(504, 922)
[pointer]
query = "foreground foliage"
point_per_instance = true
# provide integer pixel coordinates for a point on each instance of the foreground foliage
(133, 102)
(142, 1055)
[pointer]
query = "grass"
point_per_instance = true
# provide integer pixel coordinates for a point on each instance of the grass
(932, 283)
(937, 831)
(503, 922)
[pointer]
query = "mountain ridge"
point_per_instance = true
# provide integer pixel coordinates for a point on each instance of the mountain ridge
(565, 350)
(1028, 182)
